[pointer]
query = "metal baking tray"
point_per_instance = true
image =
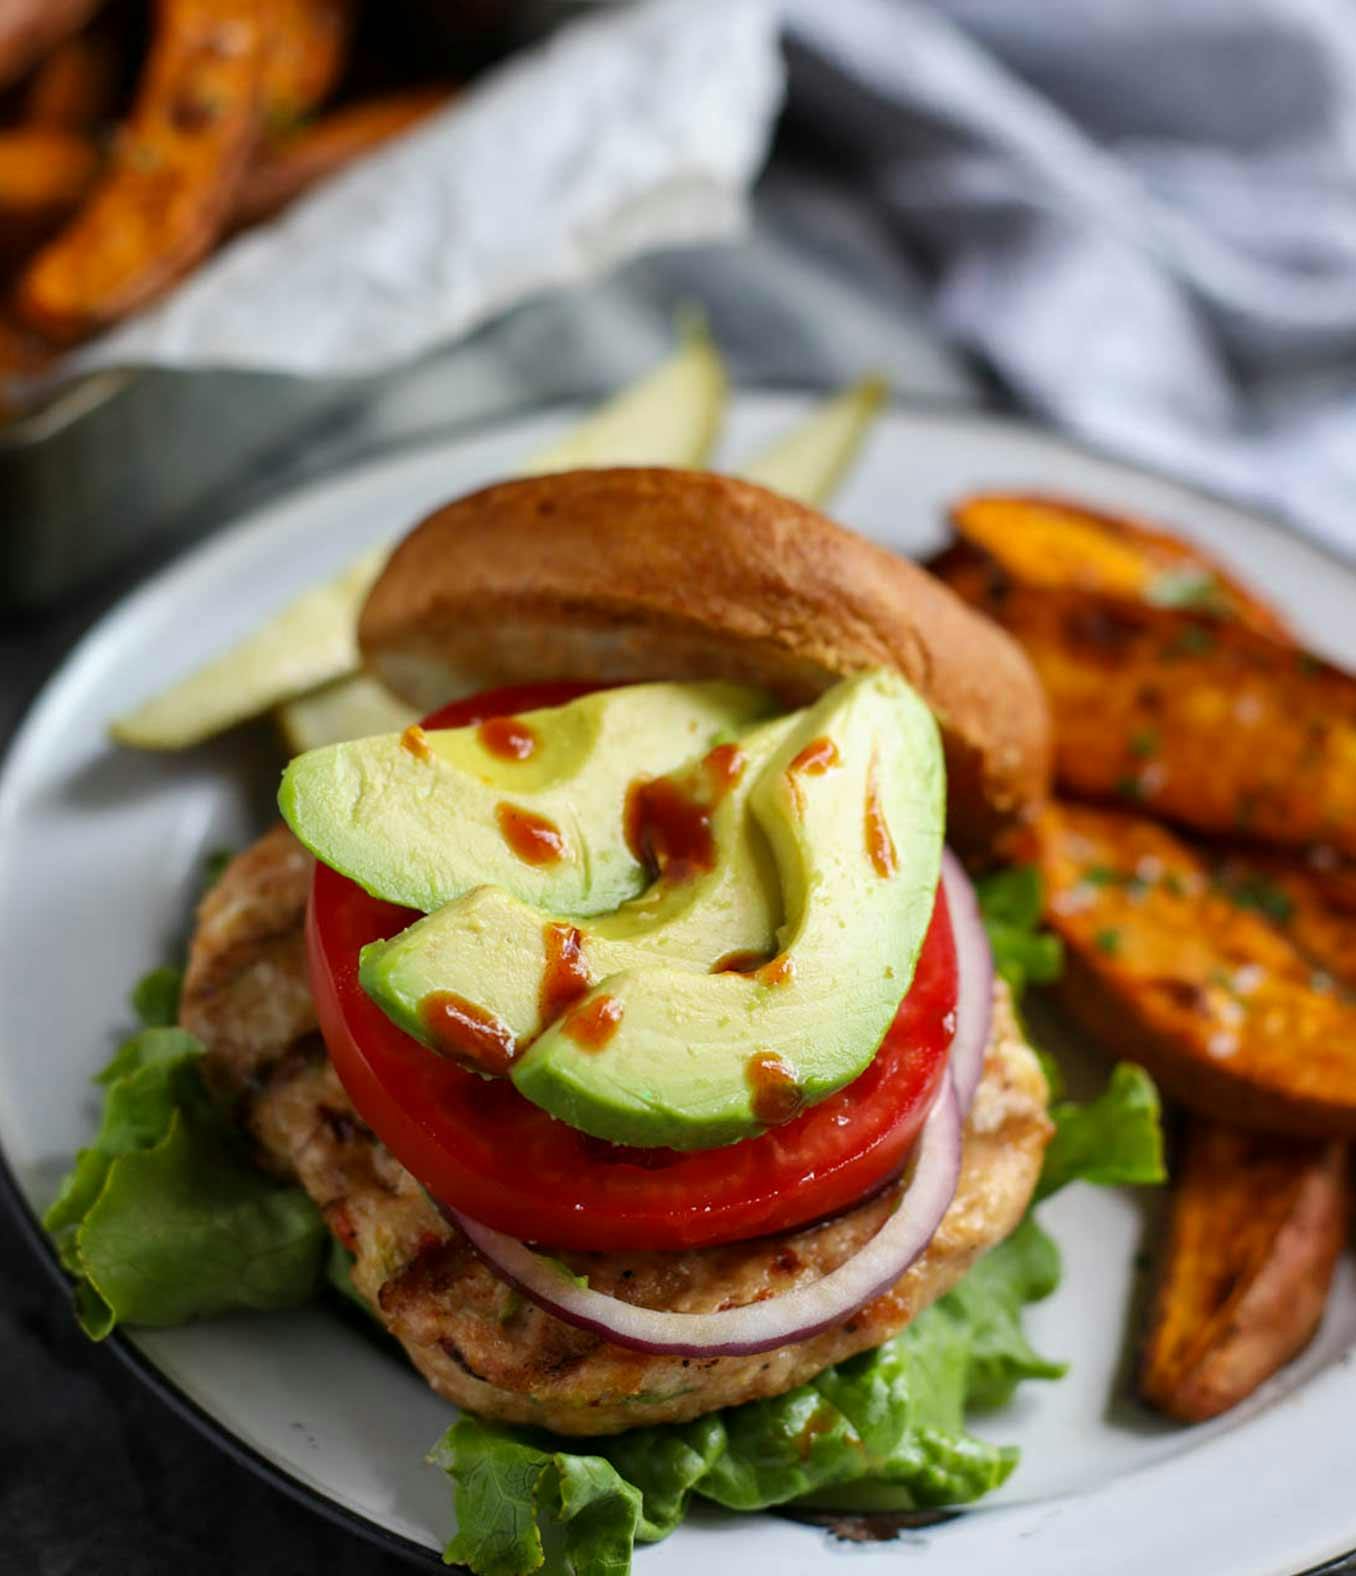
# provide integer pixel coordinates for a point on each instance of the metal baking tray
(112, 461)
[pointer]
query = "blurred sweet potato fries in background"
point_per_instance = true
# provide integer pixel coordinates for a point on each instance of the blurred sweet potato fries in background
(135, 138)
(1200, 869)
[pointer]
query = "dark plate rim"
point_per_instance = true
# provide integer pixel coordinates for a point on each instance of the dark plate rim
(13, 1197)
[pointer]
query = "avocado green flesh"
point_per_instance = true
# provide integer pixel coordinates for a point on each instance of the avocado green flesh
(675, 1070)
(492, 949)
(421, 828)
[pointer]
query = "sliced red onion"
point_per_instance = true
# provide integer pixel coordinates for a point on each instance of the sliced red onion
(975, 975)
(759, 1326)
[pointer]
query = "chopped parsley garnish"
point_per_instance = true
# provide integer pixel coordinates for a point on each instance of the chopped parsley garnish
(1108, 942)
(1195, 589)
(1250, 889)
(1104, 875)
(1193, 641)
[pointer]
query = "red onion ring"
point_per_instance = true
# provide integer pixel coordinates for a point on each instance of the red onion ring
(975, 980)
(758, 1326)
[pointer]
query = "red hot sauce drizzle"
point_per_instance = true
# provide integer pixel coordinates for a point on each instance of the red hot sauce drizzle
(818, 756)
(592, 1024)
(566, 976)
(415, 741)
(880, 845)
(468, 1033)
(777, 1096)
(820, 1421)
(724, 768)
(535, 840)
(668, 819)
(508, 737)
(779, 969)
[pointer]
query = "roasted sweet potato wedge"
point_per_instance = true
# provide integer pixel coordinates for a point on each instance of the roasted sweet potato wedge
(174, 177)
(1256, 1225)
(1162, 968)
(44, 175)
(1204, 721)
(74, 88)
(1052, 542)
(287, 167)
(307, 51)
(1314, 905)
(29, 28)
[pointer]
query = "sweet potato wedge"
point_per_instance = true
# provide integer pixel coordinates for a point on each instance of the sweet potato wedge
(287, 167)
(29, 28)
(1204, 721)
(1163, 969)
(44, 175)
(174, 177)
(1314, 905)
(1052, 542)
(1256, 1226)
(74, 88)
(307, 51)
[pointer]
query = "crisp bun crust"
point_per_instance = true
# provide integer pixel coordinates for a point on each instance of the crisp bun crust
(649, 574)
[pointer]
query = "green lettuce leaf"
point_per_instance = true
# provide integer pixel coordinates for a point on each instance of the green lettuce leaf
(183, 1230)
(523, 1508)
(883, 1430)
(155, 997)
(1010, 906)
(164, 1217)
(1116, 1138)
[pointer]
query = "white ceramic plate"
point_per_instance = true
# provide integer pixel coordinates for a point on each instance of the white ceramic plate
(100, 853)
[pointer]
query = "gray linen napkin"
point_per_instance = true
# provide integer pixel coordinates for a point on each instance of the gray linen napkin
(1142, 212)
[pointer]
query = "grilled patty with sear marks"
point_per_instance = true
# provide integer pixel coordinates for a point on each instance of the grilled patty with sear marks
(475, 1339)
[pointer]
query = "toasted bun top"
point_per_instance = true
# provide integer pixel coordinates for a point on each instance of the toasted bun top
(660, 574)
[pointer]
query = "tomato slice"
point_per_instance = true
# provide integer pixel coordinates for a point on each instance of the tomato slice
(477, 1145)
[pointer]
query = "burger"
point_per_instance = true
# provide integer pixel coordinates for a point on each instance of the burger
(632, 1023)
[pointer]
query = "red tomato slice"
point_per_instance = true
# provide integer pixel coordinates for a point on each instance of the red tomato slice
(477, 1145)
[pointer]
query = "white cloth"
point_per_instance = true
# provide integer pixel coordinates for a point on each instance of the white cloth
(1142, 212)
(640, 128)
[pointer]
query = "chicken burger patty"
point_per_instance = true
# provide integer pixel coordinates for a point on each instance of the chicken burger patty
(473, 1337)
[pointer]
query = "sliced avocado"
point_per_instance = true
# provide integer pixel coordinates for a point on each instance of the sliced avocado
(351, 708)
(524, 966)
(853, 806)
(810, 461)
(421, 818)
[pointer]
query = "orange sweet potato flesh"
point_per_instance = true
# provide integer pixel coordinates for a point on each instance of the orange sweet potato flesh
(174, 177)
(1314, 905)
(75, 87)
(44, 174)
(1164, 969)
(1202, 720)
(1256, 1226)
(29, 28)
(1053, 542)
(308, 49)
(291, 165)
